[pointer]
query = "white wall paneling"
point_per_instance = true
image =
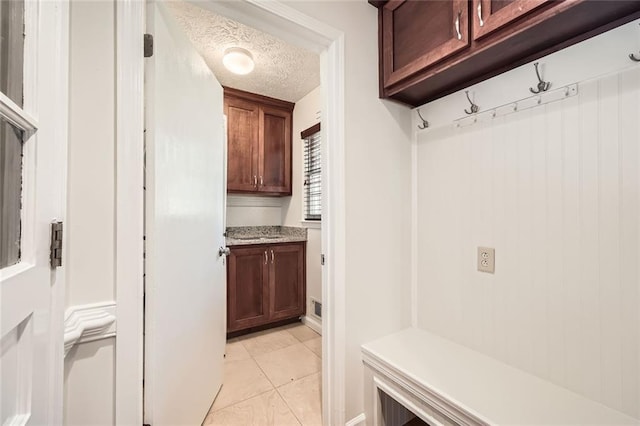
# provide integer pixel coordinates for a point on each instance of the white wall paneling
(92, 232)
(86, 323)
(90, 383)
(555, 189)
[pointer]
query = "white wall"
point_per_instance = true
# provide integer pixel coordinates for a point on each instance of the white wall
(305, 114)
(377, 189)
(556, 191)
(248, 210)
(89, 368)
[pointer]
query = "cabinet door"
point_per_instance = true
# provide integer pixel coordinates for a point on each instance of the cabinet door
(248, 288)
(416, 34)
(242, 145)
(490, 15)
(275, 150)
(287, 280)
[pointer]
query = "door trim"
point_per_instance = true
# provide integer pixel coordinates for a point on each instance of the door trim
(130, 27)
(319, 37)
(330, 42)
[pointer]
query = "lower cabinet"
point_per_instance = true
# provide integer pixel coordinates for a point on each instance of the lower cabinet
(265, 284)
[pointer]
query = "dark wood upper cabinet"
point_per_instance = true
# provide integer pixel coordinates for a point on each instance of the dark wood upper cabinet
(242, 144)
(259, 135)
(418, 34)
(275, 162)
(265, 284)
(490, 15)
(423, 57)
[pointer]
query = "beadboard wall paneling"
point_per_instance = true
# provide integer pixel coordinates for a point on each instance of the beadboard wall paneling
(555, 189)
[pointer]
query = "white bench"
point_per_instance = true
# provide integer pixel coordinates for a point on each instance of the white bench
(445, 383)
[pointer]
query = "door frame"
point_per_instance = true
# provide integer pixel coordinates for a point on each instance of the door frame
(129, 245)
(266, 16)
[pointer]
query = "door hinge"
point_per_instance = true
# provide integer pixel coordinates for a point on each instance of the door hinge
(322, 259)
(148, 45)
(55, 256)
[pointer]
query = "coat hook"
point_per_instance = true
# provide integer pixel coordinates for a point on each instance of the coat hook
(543, 86)
(474, 107)
(633, 57)
(424, 124)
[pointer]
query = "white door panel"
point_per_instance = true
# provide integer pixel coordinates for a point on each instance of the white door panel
(185, 278)
(31, 316)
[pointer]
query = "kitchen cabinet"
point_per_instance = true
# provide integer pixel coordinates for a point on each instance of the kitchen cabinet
(418, 34)
(266, 283)
(491, 15)
(428, 50)
(259, 135)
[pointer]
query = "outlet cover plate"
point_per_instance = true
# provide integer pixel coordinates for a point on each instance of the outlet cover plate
(486, 259)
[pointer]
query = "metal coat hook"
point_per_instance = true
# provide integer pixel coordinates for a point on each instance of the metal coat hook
(474, 107)
(424, 124)
(543, 86)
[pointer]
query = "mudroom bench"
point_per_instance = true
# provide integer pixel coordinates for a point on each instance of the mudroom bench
(414, 377)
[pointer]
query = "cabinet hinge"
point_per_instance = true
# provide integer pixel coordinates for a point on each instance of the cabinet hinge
(55, 255)
(148, 45)
(322, 259)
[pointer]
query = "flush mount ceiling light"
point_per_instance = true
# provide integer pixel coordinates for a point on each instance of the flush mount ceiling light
(238, 60)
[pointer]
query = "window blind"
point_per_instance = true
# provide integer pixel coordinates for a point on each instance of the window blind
(312, 173)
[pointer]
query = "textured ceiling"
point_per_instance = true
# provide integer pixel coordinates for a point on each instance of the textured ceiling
(282, 71)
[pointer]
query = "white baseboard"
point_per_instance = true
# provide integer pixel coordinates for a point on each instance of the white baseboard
(312, 323)
(357, 420)
(86, 323)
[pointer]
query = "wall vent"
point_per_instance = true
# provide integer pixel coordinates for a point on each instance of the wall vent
(316, 308)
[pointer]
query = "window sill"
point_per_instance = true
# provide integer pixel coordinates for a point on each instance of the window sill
(313, 224)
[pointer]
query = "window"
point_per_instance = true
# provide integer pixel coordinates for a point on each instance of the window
(11, 136)
(312, 173)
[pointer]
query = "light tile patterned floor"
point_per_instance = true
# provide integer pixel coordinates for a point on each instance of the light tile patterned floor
(271, 378)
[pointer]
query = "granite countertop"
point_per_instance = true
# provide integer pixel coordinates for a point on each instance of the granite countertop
(249, 235)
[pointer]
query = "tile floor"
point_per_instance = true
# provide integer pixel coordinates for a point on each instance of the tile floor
(271, 377)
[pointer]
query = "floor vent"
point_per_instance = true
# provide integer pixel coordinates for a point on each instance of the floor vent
(316, 308)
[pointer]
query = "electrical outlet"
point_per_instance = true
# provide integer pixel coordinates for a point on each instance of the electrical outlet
(486, 259)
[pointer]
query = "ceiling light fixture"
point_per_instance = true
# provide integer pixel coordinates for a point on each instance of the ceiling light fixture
(238, 60)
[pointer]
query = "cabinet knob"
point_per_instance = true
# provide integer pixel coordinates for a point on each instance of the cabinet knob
(266, 259)
(480, 14)
(261, 181)
(255, 180)
(224, 251)
(271, 256)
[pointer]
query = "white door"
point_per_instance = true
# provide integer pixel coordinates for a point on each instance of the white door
(185, 280)
(32, 170)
